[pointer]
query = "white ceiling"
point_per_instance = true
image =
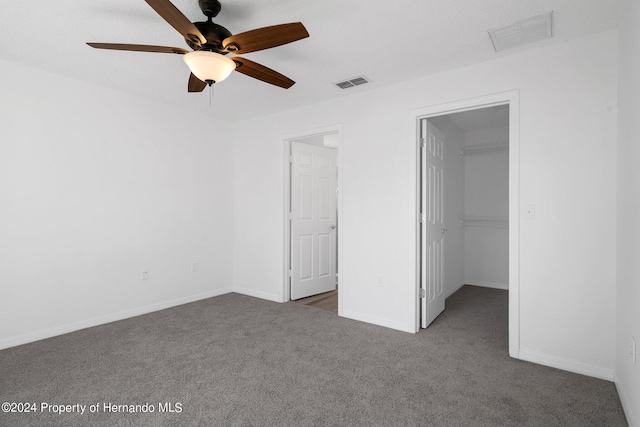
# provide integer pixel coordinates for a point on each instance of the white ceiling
(383, 40)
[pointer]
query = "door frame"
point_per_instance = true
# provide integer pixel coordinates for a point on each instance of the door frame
(512, 99)
(285, 294)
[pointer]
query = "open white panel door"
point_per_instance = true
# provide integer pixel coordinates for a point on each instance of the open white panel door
(432, 231)
(313, 220)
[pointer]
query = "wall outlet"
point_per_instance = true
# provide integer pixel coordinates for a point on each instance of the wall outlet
(145, 274)
(633, 349)
(194, 267)
(379, 280)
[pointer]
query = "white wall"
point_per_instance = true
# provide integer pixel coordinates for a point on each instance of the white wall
(486, 206)
(567, 168)
(628, 297)
(454, 178)
(95, 186)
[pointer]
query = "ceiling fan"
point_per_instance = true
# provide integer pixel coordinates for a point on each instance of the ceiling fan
(211, 42)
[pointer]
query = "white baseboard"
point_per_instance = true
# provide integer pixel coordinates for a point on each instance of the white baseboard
(632, 419)
(494, 285)
(379, 321)
(348, 314)
(101, 320)
(567, 365)
(258, 294)
(447, 295)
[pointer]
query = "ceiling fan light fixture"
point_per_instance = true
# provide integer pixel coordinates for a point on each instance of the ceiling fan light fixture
(211, 42)
(209, 66)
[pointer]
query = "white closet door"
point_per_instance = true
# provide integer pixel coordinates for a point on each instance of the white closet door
(313, 220)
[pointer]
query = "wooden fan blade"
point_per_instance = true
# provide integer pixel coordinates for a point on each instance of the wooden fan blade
(139, 48)
(265, 38)
(260, 72)
(177, 20)
(195, 84)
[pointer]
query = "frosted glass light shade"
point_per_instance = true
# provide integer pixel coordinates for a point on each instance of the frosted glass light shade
(207, 65)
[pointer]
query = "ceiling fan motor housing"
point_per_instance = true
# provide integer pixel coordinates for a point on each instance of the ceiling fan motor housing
(214, 34)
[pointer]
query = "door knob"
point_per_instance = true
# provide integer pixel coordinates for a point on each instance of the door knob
(333, 226)
(444, 230)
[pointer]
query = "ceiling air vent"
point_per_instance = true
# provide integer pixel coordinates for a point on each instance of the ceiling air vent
(356, 81)
(523, 32)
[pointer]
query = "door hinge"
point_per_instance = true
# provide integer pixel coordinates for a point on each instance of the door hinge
(423, 142)
(290, 159)
(423, 293)
(290, 273)
(423, 218)
(290, 215)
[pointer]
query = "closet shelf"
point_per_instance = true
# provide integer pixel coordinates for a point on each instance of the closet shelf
(485, 149)
(485, 221)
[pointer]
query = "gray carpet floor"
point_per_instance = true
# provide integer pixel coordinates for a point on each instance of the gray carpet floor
(234, 360)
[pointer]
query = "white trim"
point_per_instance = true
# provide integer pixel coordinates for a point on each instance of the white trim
(511, 98)
(414, 167)
(257, 294)
(483, 284)
(101, 320)
(632, 419)
(284, 294)
(567, 365)
(514, 224)
(392, 324)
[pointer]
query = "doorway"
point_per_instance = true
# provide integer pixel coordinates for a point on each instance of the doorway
(313, 215)
(429, 268)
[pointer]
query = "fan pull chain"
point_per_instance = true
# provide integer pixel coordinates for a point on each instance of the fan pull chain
(210, 95)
